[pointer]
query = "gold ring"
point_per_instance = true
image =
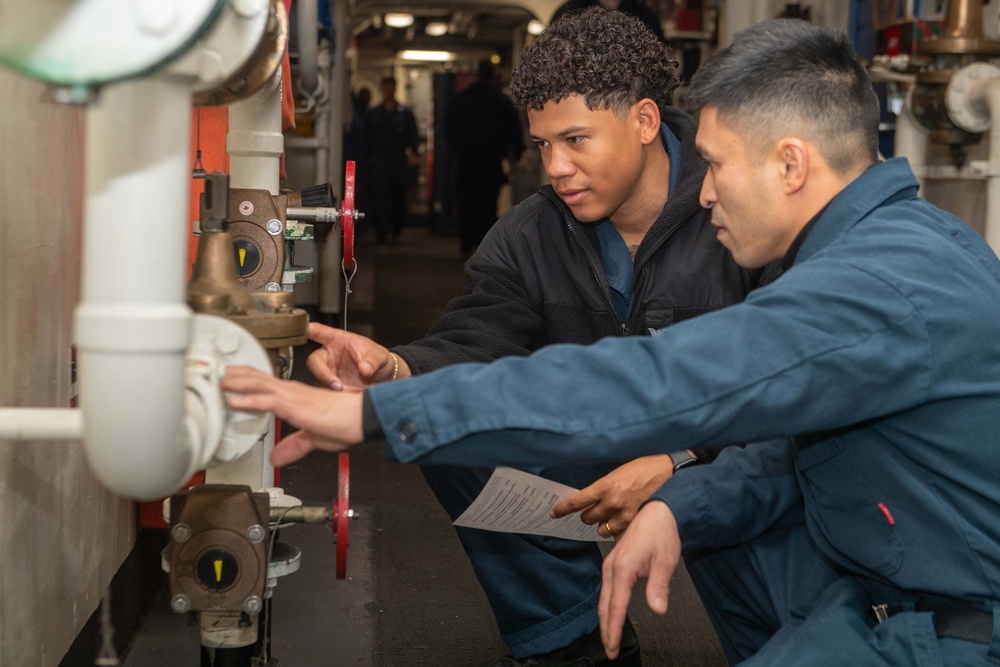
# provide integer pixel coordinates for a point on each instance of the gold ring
(608, 528)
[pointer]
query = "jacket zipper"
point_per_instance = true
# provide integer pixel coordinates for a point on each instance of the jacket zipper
(622, 326)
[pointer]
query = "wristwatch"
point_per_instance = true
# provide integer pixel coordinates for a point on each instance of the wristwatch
(682, 459)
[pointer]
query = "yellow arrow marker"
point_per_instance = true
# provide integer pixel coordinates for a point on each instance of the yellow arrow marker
(218, 571)
(243, 256)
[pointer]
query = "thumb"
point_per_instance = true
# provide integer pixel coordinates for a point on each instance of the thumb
(367, 362)
(292, 448)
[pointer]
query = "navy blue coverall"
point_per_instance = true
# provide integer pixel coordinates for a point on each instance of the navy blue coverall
(877, 353)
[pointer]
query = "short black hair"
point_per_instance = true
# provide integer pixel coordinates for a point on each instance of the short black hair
(609, 57)
(787, 76)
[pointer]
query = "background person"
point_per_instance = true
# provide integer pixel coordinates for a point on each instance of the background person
(483, 130)
(392, 144)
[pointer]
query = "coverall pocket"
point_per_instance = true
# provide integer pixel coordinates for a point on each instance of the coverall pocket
(660, 318)
(844, 507)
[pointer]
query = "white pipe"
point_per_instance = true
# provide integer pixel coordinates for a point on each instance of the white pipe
(302, 143)
(988, 92)
(255, 143)
(307, 15)
(132, 325)
(41, 424)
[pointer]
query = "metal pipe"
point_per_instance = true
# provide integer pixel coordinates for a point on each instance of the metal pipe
(41, 424)
(963, 18)
(317, 214)
(302, 514)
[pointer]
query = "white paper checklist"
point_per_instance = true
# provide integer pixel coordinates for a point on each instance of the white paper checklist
(517, 502)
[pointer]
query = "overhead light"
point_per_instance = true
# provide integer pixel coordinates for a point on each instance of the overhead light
(433, 56)
(535, 27)
(399, 20)
(436, 28)
(495, 59)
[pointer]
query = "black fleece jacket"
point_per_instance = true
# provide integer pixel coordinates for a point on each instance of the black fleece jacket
(538, 277)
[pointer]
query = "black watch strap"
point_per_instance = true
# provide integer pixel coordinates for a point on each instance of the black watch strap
(682, 459)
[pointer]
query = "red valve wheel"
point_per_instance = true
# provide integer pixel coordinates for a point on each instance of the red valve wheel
(341, 510)
(347, 217)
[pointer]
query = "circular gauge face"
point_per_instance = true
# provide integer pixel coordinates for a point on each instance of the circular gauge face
(247, 256)
(217, 569)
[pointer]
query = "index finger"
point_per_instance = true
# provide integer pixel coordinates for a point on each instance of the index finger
(322, 334)
(580, 500)
(616, 593)
(243, 378)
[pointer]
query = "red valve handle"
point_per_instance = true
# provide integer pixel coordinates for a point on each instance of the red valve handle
(341, 509)
(347, 217)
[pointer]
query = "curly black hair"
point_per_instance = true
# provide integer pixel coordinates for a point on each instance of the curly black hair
(609, 57)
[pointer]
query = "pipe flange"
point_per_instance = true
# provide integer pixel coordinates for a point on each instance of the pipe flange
(217, 343)
(963, 98)
(260, 65)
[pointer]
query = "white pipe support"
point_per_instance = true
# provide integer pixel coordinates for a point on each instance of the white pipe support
(255, 143)
(133, 325)
(41, 424)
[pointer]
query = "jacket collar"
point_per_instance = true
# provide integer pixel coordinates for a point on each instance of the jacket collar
(878, 185)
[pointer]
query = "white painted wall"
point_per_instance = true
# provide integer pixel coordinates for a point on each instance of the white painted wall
(62, 536)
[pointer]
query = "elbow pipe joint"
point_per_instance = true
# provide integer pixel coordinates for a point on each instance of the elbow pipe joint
(132, 360)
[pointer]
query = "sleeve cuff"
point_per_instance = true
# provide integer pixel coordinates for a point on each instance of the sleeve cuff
(684, 494)
(369, 420)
